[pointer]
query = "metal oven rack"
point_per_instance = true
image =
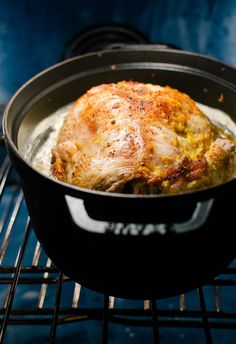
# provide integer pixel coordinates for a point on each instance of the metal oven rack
(39, 304)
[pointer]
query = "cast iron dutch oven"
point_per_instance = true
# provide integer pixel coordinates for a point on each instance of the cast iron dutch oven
(132, 246)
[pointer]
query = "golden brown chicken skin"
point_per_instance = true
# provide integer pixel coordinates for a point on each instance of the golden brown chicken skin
(140, 138)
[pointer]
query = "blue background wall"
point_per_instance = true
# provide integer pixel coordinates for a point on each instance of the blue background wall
(33, 33)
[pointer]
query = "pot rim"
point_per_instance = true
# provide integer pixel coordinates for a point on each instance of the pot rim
(199, 193)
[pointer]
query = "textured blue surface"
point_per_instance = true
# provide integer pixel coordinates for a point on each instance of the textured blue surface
(33, 33)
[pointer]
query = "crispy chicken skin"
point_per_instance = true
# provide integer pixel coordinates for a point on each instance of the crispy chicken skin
(133, 137)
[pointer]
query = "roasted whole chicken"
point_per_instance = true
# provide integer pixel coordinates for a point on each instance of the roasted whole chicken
(140, 138)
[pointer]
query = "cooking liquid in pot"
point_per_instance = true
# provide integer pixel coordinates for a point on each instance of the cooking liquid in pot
(41, 141)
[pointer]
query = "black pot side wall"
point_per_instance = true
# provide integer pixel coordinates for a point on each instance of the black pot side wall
(160, 265)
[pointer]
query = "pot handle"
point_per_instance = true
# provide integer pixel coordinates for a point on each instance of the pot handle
(83, 221)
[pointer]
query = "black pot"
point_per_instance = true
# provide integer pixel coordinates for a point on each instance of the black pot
(144, 246)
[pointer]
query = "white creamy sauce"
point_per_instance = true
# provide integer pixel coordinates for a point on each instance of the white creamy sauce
(219, 118)
(39, 145)
(43, 137)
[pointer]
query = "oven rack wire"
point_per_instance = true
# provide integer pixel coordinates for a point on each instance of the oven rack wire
(26, 270)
